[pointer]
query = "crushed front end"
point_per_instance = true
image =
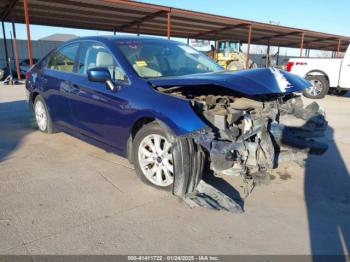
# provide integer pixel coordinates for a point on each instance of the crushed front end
(249, 137)
(254, 118)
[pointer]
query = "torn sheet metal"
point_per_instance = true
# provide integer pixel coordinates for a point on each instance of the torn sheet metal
(208, 196)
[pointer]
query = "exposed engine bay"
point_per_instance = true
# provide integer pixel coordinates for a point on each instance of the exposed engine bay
(250, 136)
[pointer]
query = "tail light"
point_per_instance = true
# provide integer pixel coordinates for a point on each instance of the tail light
(28, 75)
(289, 66)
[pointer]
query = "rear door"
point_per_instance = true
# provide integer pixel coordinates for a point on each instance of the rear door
(55, 78)
(99, 112)
(344, 80)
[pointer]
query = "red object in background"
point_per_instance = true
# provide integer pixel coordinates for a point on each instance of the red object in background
(289, 66)
(28, 75)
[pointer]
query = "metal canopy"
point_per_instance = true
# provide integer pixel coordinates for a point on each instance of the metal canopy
(136, 17)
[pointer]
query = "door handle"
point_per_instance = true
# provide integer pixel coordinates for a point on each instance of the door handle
(72, 88)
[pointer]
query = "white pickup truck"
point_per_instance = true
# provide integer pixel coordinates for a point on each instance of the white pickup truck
(327, 75)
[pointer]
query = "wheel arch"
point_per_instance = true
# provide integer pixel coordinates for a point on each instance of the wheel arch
(317, 72)
(138, 124)
(32, 97)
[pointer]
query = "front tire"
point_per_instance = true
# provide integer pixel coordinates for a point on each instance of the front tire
(42, 115)
(319, 89)
(152, 156)
(166, 162)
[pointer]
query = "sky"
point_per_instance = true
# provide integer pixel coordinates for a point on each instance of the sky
(321, 15)
(318, 15)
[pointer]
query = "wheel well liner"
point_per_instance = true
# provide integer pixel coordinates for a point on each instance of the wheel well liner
(32, 97)
(135, 128)
(189, 160)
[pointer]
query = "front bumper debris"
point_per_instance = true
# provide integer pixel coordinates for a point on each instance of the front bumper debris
(250, 141)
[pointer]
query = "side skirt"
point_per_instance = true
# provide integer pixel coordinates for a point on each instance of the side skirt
(92, 141)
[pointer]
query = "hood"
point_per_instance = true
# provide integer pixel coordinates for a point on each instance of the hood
(249, 82)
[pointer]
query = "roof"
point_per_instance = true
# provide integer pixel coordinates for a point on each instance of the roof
(126, 38)
(59, 37)
(134, 17)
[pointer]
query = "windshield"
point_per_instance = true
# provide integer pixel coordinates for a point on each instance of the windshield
(228, 46)
(150, 59)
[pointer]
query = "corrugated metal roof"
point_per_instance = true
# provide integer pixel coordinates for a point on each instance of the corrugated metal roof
(134, 17)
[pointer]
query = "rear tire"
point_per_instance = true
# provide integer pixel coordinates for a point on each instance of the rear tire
(2, 74)
(42, 115)
(319, 89)
(338, 92)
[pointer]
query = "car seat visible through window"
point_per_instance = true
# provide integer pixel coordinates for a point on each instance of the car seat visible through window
(105, 59)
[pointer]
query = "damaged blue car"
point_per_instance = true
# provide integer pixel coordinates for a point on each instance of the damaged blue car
(172, 111)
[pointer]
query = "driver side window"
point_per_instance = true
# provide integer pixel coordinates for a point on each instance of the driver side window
(94, 54)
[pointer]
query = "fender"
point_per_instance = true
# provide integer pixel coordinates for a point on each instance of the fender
(177, 120)
(177, 113)
(316, 71)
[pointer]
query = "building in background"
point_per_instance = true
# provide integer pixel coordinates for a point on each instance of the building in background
(58, 37)
(40, 47)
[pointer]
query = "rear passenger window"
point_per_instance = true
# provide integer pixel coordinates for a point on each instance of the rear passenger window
(63, 59)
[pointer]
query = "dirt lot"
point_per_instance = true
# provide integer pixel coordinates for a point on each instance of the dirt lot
(59, 195)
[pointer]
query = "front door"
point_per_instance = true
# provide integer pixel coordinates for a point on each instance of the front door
(99, 112)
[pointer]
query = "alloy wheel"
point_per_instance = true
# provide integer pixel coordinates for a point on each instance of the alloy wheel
(316, 88)
(40, 115)
(156, 160)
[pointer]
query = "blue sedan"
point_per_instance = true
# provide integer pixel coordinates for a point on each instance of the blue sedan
(170, 109)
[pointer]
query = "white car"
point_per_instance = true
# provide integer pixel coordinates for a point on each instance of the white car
(325, 74)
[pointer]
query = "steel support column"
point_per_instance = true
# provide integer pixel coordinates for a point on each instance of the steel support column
(5, 45)
(216, 50)
(248, 48)
(267, 60)
(338, 47)
(29, 44)
(278, 56)
(15, 48)
(302, 44)
(168, 25)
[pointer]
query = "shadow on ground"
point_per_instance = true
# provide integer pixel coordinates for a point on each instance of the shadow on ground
(347, 94)
(15, 123)
(223, 186)
(327, 197)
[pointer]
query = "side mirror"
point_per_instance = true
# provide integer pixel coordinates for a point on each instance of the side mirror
(102, 75)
